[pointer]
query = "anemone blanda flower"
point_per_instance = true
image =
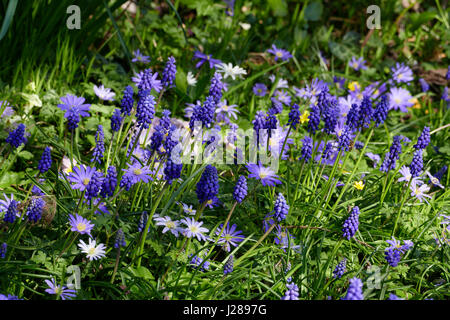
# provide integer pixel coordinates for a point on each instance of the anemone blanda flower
(81, 176)
(168, 224)
(139, 57)
(402, 73)
(136, 172)
(374, 157)
(357, 64)
(399, 99)
(406, 176)
(104, 93)
(282, 83)
(229, 110)
(229, 237)
(283, 96)
(194, 229)
(188, 209)
(205, 58)
(4, 203)
(80, 224)
(191, 80)
(92, 250)
(279, 53)
(71, 102)
(66, 166)
(260, 89)
(419, 191)
(435, 181)
(265, 174)
(137, 77)
(229, 70)
(62, 291)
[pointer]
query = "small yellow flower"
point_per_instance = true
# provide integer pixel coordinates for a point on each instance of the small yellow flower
(354, 86)
(358, 185)
(416, 103)
(304, 117)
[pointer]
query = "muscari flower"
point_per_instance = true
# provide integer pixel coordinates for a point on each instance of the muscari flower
(46, 161)
(314, 120)
(34, 210)
(424, 139)
(351, 224)
(402, 73)
(228, 266)
(340, 269)
(17, 136)
(294, 116)
(292, 292)
(145, 111)
(80, 224)
(116, 120)
(394, 297)
(139, 57)
(169, 225)
(345, 138)
(197, 262)
(104, 93)
(393, 254)
(169, 73)
(62, 291)
(307, 148)
(357, 64)
(240, 189)
(150, 81)
(92, 250)
(281, 208)
(99, 146)
(120, 239)
(205, 58)
(265, 174)
(208, 185)
(354, 291)
(279, 53)
(3, 249)
(425, 86)
(416, 165)
(260, 89)
(194, 229)
(390, 160)
(12, 212)
(381, 111)
(127, 102)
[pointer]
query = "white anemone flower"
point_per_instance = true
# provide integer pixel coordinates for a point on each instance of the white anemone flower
(92, 250)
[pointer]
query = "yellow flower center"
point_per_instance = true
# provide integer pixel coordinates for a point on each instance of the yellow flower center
(279, 54)
(397, 100)
(91, 251)
(170, 225)
(81, 227)
(353, 86)
(355, 65)
(137, 171)
(86, 181)
(262, 175)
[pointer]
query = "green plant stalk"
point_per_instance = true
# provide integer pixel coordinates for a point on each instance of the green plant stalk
(116, 265)
(236, 263)
(147, 225)
(353, 171)
(404, 197)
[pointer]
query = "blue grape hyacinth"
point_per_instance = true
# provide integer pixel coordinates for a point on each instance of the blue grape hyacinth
(46, 161)
(17, 136)
(354, 291)
(351, 224)
(240, 190)
(34, 210)
(281, 208)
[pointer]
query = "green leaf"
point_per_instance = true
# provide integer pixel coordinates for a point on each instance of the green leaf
(279, 7)
(10, 178)
(313, 11)
(142, 272)
(25, 155)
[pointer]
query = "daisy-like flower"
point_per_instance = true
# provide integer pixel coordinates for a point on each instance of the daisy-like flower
(282, 83)
(194, 229)
(279, 53)
(304, 118)
(92, 250)
(4, 203)
(229, 236)
(191, 80)
(406, 176)
(358, 185)
(80, 224)
(357, 64)
(205, 58)
(104, 93)
(402, 73)
(139, 57)
(137, 77)
(283, 96)
(168, 224)
(419, 191)
(435, 181)
(62, 291)
(228, 110)
(136, 172)
(188, 209)
(74, 106)
(66, 165)
(81, 176)
(260, 89)
(229, 70)
(399, 99)
(374, 157)
(7, 111)
(265, 174)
